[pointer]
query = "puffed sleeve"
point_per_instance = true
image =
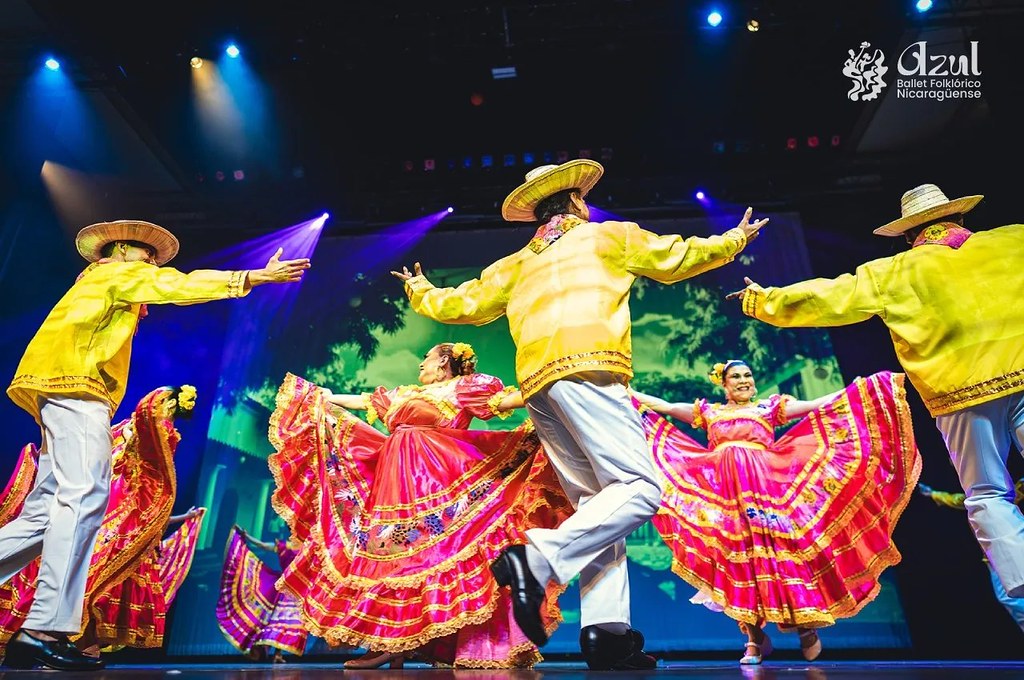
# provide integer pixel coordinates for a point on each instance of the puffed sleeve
(480, 394)
(776, 409)
(377, 404)
(700, 408)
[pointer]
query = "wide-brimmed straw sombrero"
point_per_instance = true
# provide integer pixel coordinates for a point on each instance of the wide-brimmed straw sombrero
(91, 239)
(924, 204)
(547, 180)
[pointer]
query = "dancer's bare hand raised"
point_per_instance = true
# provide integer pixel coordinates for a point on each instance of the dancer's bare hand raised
(751, 229)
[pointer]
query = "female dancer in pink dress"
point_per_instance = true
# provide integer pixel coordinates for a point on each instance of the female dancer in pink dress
(794, 530)
(397, 531)
(252, 612)
(133, 575)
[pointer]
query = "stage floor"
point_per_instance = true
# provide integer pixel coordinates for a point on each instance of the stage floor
(690, 670)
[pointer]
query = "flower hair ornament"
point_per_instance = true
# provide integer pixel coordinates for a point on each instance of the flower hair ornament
(186, 398)
(463, 351)
(717, 372)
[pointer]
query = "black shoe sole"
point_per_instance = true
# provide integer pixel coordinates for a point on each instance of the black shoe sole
(502, 572)
(503, 575)
(20, 661)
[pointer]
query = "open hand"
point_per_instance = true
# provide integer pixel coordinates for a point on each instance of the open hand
(751, 229)
(740, 293)
(284, 271)
(405, 274)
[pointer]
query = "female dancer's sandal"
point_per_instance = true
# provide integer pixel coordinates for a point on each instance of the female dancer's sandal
(395, 660)
(755, 653)
(810, 644)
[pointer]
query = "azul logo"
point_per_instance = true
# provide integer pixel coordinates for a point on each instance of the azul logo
(866, 69)
(915, 61)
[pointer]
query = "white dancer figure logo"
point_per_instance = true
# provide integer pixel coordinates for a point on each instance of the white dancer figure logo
(865, 68)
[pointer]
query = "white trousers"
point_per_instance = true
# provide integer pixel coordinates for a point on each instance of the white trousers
(978, 439)
(64, 511)
(596, 444)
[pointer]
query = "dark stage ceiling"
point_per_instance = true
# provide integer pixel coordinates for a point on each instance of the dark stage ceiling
(359, 98)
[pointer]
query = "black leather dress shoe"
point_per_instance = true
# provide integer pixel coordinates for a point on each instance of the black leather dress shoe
(604, 651)
(26, 651)
(511, 569)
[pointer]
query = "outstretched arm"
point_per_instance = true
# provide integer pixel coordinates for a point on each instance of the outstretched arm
(178, 519)
(511, 401)
(253, 541)
(353, 402)
(669, 259)
(143, 283)
(475, 302)
(798, 409)
(277, 271)
(679, 411)
(945, 498)
(841, 301)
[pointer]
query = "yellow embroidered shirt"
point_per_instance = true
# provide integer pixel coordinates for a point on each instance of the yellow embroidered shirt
(568, 305)
(954, 314)
(84, 345)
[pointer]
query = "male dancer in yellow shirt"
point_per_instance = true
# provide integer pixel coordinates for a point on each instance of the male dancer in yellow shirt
(566, 296)
(952, 306)
(71, 379)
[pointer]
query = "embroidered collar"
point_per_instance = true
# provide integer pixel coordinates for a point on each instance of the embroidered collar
(943, 234)
(552, 231)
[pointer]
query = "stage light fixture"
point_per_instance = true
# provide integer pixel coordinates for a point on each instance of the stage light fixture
(450, 210)
(509, 160)
(429, 164)
(923, 5)
(813, 141)
(195, 62)
(700, 195)
(714, 18)
(486, 161)
(791, 144)
(753, 25)
(232, 51)
(318, 223)
(239, 175)
(528, 158)
(836, 140)
(52, 64)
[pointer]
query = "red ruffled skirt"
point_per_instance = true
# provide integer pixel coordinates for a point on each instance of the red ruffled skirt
(796, 534)
(398, 531)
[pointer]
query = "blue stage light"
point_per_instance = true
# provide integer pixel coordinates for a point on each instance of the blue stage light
(714, 18)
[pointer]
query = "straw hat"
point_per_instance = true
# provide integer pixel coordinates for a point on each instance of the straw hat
(547, 180)
(924, 204)
(91, 239)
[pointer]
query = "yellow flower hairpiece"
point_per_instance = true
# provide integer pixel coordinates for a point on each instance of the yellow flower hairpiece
(187, 398)
(717, 372)
(463, 351)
